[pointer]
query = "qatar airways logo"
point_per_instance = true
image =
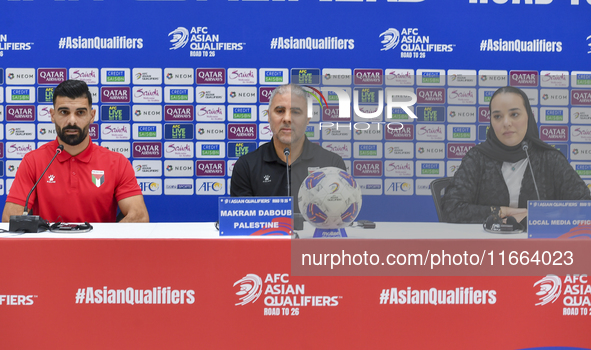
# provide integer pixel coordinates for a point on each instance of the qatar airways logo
(147, 149)
(178, 113)
(368, 77)
(265, 94)
(404, 133)
(211, 167)
(458, 150)
(115, 94)
(431, 95)
(523, 78)
(51, 75)
(483, 115)
(367, 168)
(20, 113)
(242, 131)
(211, 76)
(554, 133)
(581, 97)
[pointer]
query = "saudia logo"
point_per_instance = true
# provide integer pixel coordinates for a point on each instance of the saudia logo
(335, 148)
(178, 148)
(461, 94)
(205, 111)
(114, 129)
(236, 75)
(581, 132)
(394, 166)
(148, 93)
(78, 75)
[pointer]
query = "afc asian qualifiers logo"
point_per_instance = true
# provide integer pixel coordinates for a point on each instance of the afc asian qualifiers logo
(550, 288)
(573, 292)
(180, 38)
(391, 39)
(588, 39)
(251, 287)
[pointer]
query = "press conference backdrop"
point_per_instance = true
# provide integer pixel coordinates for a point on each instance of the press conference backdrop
(181, 87)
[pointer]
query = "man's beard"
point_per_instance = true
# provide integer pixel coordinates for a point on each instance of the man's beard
(72, 140)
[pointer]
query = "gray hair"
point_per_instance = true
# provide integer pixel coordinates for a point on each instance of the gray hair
(294, 89)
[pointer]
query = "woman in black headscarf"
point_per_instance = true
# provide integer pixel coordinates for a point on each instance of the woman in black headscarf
(495, 178)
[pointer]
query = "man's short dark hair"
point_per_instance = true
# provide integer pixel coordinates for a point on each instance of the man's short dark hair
(72, 89)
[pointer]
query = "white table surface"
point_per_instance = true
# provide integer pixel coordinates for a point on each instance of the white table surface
(383, 230)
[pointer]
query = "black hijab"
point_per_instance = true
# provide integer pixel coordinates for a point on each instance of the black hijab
(496, 150)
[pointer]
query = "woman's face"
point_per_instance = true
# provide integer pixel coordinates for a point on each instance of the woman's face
(508, 118)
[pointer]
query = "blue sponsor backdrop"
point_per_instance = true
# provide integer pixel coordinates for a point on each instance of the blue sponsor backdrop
(160, 45)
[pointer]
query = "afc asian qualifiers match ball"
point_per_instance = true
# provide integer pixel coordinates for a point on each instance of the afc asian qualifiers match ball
(329, 198)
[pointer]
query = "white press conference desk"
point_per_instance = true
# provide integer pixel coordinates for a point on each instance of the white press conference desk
(383, 230)
(180, 286)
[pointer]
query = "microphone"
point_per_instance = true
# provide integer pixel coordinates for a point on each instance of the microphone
(286, 152)
(525, 147)
(26, 223)
(298, 219)
(494, 224)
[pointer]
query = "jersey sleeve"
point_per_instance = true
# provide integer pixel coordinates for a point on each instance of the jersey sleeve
(240, 185)
(127, 186)
(22, 184)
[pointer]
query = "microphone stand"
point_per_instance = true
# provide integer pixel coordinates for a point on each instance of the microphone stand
(525, 147)
(31, 223)
(298, 219)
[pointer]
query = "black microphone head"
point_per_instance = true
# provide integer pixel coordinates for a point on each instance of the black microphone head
(286, 151)
(60, 148)
(491, 221)
(524, 145)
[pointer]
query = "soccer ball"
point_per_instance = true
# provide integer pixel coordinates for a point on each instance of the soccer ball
(329, 198)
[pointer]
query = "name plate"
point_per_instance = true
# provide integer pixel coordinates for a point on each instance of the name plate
(559, 219)
(255, 216)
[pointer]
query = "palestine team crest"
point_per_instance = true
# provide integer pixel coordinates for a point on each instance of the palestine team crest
(98, 177)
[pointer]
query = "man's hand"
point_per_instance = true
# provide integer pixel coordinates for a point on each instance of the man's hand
(134, 209)
(518, 213)
(11, 209)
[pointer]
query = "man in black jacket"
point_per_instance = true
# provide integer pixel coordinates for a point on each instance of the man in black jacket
(264, 171)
